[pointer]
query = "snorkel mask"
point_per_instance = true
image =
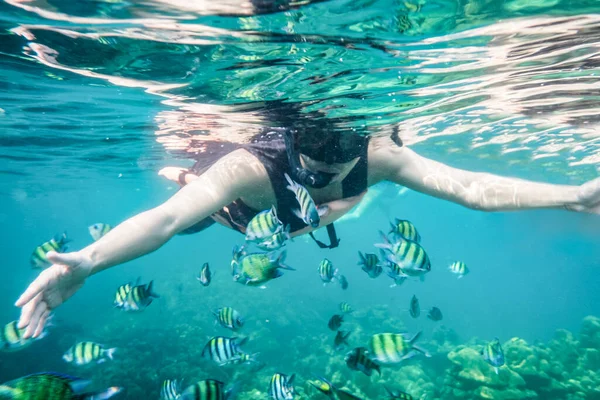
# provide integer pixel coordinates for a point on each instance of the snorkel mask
(329, 148)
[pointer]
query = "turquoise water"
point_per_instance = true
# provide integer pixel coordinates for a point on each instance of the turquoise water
(96, 98)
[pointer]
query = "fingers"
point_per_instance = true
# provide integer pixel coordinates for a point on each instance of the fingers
(70, 259)
(34, 289)
(29, 310)
(33, 326)
(41, 324)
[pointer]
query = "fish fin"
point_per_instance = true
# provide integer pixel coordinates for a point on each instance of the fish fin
(292, 184)
(101, 395)
(111, 352)
(290, 380)
(415, 337)
(422, 351)
(496, 369)
(150, 292)
(232, 392)
(322, 210)
(298, 213)
(459, 277)
(280, 261)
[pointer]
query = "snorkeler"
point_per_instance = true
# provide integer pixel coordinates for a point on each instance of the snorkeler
(337, 169)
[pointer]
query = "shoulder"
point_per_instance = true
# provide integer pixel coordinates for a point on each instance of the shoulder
(385, 157)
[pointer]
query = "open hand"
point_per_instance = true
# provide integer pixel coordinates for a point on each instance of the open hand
(51, 288)
(588, 197)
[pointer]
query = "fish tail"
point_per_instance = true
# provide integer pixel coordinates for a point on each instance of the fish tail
(415, 337)
(281, 261)
(111, 352)
(151, 293)
(232, 392)
(103, 395)
(422, 351)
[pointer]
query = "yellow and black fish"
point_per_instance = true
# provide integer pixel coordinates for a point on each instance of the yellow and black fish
(459, 268)
(11, 338)
(358, 360)
(98, 230)
(229, 318)
(493, 354)
(39, 259)
(393, 348)
(345, 307)
(223, 350)
(258, 268)
(326, 271)
(280, 387)
(208, 389)
(84, 353)
(140, 297)
(370, 264)
(264, 225)
(170, 390)
(406, 229)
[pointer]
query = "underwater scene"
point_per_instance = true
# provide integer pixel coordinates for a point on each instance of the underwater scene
(224, 132)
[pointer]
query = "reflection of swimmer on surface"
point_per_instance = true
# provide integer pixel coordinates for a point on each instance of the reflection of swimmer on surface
(337, 169)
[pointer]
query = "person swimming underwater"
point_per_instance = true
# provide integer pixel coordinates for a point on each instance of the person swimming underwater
(337, 169)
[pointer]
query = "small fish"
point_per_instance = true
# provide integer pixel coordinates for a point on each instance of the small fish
(415, 308)
(280, 387)
(345, 307)
(276, 241)
(98, 230)
(258, 268)
(435, 314)
(308, 211)
(341, 340)
(11, 338)
(205, 275)
(411, 257)
(243, 358)
(343, 282)
(335, 322)
(237, 254)
(39, 259)
(122, 292)
(170, 390)
(229, 318)
(327, 388)
(84, 353)
(392, 348)
(208, 389)
(493, 354)
(358, 360)
(459, 268)
(140, 297)
(370, 264)
(52, 386)
(406, 229)
(223, 350)
(264, 225)
(326, 271)
(396, 274)
(397, 394)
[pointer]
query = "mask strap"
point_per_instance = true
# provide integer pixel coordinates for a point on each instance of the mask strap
(333, 239)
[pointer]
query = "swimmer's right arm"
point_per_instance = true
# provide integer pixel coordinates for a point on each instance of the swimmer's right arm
(225, 181)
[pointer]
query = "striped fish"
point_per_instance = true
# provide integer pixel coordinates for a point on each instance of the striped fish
(335, 322)
(229, 318)
(122, 292)
(341, 340)
(459, 268)
(370, 264)
(396, 273)
(258, 268)
(358, 360)
(326, 271)
(237, 254)
(52, 386)
(393, 348)
(84, 353)
(411, 257)
(276, 241)
(345, 307)
(208, 389)
(140, 297)
(280, 387)
(493, 354)
(406, 229)
(170, 390)
(205, 275)
(264, 225)
(327, 388)
(397, 394)
(39, 259)
(98, 230)
(223, 350)
(308, 211)
(414, 308)
(11, 338)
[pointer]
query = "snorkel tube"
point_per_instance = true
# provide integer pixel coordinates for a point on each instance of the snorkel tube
(303, 176)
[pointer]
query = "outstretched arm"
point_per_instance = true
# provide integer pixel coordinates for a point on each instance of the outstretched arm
(479, 190)
(223, 182)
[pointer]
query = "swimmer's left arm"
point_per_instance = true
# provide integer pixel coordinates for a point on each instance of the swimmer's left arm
(479, 190)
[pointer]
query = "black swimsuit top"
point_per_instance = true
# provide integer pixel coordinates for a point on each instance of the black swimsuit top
(270, 149)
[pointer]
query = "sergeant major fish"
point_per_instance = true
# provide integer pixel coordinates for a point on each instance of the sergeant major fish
(358, 360)
(205, 275)
(11, 337)
(345, 307)
(223, 350)
(258, 268)
(39, 257)
(327, 388)
(405, 229)
(98, 230)
(326, 271)
(397, 394)
(459, 268)
(265, 224)
(411, 257)
(493, 354)
(229, 318)
(84, 353)
(122, 292)
(370, 264)
(335, 322)
(308, 211)
(170, 390)
(392, 348)
(280, 387)
(140, 297)
(340, 340)
(208, 389)
(276, 241)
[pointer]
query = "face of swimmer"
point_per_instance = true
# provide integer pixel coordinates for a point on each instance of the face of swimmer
(339, 169)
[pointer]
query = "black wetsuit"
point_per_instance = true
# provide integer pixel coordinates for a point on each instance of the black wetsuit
(270, 150)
